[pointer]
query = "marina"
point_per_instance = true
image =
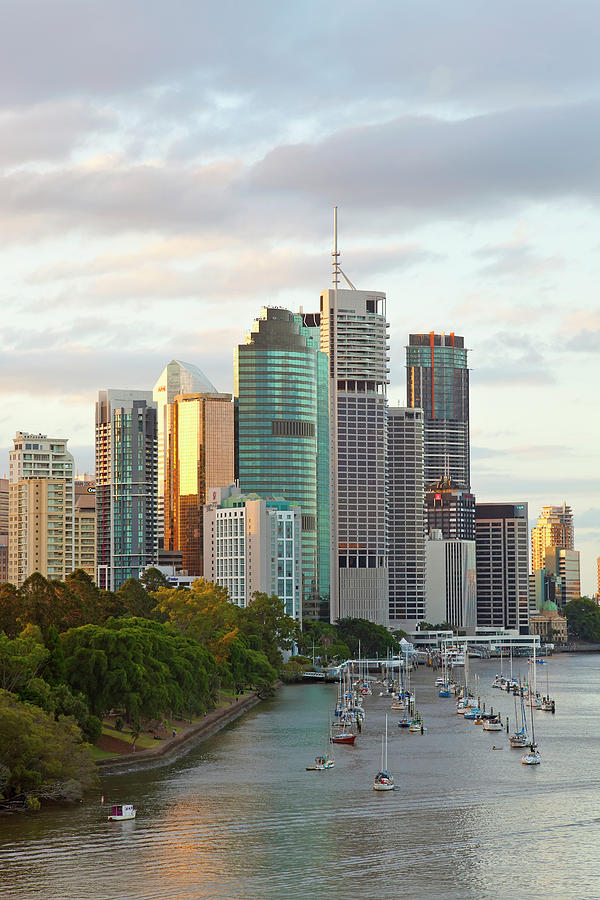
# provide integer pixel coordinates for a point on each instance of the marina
(240, 817)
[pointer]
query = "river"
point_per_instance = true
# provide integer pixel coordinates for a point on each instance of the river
(240, 817)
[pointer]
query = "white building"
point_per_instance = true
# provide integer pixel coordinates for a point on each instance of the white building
(252, 544)
(451, 587)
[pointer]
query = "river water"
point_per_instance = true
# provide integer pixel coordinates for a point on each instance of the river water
(240, 817)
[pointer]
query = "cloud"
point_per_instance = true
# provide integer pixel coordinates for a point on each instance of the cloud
(512, 359)
(521, 261)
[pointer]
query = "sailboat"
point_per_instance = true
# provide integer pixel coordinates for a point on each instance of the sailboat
(383, 781)
(548, 704)
(520, 738)
(325, 761)
(532, 758)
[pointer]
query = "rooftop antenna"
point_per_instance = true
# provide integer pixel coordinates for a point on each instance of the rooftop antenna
(337, 269)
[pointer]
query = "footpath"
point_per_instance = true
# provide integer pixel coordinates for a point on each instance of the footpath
(170, 748)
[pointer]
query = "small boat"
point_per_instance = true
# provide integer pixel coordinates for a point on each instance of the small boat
(532, 758)
(492, 724)
(444, 691)
(321, 763)
(345, 737)
(404, 722)
(518, 740)
(383, 781)
(416, 727)
(122, 811)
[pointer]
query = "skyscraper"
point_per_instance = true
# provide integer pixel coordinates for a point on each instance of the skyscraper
(502, 553)
(41, 535)
(126, 485)
(277, 408)
(438, 382)
(406, 518)
(199, 447)
(566, 565)
(451, 581)
(451, 510)
(354, 335)
(176, 378)
(85, 527)
(554, 530)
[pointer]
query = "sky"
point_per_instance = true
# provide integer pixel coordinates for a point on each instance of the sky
(167, 168)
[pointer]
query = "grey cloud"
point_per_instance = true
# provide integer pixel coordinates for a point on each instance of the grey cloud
(586, 341)
(510, 359)
(518, 260)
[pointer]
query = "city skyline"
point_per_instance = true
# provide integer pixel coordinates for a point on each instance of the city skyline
(184, 188)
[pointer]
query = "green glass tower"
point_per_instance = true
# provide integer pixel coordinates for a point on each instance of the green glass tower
(280, 401)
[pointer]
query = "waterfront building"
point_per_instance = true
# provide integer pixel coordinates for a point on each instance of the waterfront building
(84, 522)
(177, 377)
(406, 518)
(254, 544)
(438, 382)
(40, 526)
(278, 416)
(451, 594)
(502, 557)
(450, 509)
(126, 485)
(554, 530)
(199, 453)
(354, 336)
(565, 564)
(549, 624)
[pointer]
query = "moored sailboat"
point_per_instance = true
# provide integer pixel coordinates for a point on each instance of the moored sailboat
(383, 781)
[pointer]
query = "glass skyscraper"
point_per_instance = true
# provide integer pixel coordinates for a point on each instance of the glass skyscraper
(438, 383)
(279, 412)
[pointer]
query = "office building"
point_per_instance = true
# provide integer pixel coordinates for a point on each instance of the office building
(451, 582)
(126, 485)
(544, 587)
(566, 565)
(199, 453)
(41, 537)
(406, 518)
(502, 557)
(254, 544)
(451, 510)
(438, 383)
(85, 527)
(277, 409)
(554, 530)
(354, 336)
(176, 378)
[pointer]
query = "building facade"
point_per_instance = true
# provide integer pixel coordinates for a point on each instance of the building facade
(126, 485)
(254, 544)
(85, 527)
(406, 518)
(502, 563)
(451, 582)
(199, 453)
(554, 530)
(277, 420)
(438, 383)
(566, 565)
(41, 497)
(451, 510)
(354, 336)
(177, 377)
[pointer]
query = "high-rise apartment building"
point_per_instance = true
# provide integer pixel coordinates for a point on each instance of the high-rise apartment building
(126, 485)
(199, 444)
(252, 544)
(354, 335)
(438, 382)
(451, 510)
(451, 582)
(176, 378)
(502, 551)
(85, 527)
(554, 530)
(277, 409)
(566, 565)
(406, 518)
(41, 536)
(4, 491)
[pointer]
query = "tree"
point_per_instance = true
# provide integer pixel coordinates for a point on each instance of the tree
(54, 668)
(21, 659)
(90, 597)
(203, 613)
(135, 598)
(266, 618)
(9, 609)
(153, 579)
(583, 619)
(375, 640)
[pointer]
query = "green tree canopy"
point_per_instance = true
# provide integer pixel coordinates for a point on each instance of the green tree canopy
(9, 609)
(203, 613)
(265, 618)
(21, 659)
(153, 579)
(583, 619)
(136, 599)
(375, 640)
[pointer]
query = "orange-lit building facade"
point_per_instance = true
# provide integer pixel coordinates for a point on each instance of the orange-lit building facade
(200, 454)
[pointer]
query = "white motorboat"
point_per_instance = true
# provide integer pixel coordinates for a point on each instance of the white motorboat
(492, 725)
(122, 811)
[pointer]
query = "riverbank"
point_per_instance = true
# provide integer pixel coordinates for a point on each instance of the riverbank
(172, 747)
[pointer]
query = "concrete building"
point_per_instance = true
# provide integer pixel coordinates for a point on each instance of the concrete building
(554, 530)
(549, 624)
(451, 510)
(254, 544)
(354, 336)
(200, 451)
(502, 562)
(126, 485)
(451, 594)
(4, 492)
(85, 527)
(177, 377)
(279, 398)
(406, 518)
(566, 565)
(438, 383)
(41, 535)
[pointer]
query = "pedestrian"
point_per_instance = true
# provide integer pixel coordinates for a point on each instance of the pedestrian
(174, 732)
